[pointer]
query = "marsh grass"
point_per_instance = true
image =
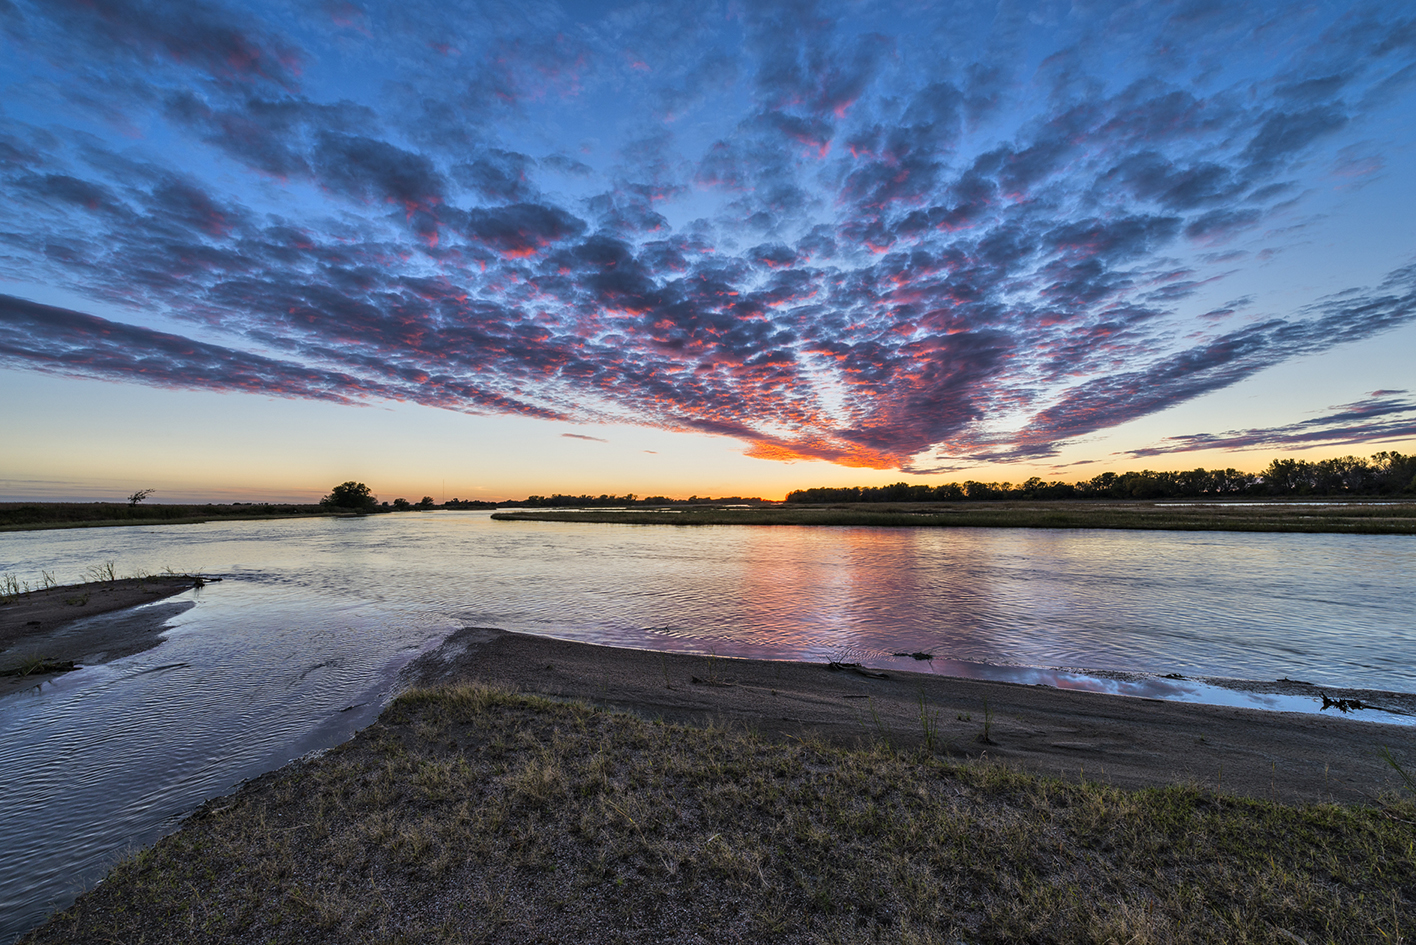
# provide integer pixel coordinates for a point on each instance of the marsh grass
(11, 589)
(472, 814)
(105, 573)
(1386, 518)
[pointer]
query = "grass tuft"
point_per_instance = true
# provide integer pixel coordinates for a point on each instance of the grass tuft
(12, 589)
(1406, 778)
(105, 573)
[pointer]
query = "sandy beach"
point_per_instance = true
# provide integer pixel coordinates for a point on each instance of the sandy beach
(1125, 741)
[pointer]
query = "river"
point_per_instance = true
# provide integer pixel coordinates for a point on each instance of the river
(300, 643)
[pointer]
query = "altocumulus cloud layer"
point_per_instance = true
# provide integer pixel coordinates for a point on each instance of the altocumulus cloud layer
(880, 234)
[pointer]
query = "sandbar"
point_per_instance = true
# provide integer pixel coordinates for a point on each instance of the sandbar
(50, 624)
(1126, 741)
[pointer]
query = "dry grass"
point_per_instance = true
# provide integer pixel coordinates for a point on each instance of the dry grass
(472, 814)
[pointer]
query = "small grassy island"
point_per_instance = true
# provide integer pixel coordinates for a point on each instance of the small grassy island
(1390, 517)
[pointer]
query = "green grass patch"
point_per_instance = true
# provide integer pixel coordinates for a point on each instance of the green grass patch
(1356, 517)
(472, 814)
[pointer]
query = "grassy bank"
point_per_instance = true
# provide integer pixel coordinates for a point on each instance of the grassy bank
(1357, 517)
(472, 814)
(18, 516)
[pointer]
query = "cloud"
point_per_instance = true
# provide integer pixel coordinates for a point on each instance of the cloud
(1384, 416)
(74, 344)
(272, 135)
(1119, 397)
(520, 229)
(581, 436)
(500, 175)
(1283, 133)
(192, 33)
(827, 232)
(60, 341)
(370, 169)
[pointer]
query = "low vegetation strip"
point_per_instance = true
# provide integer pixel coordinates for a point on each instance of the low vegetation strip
(475, 814)
(1387, 473)
(1390, 518)
(16, 516)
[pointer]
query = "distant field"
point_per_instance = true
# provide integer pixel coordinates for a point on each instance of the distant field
(16, 516)
(1369, 517)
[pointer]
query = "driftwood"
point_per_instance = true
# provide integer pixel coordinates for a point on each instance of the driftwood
(40, 666)
(838, 667)
(1345, 705)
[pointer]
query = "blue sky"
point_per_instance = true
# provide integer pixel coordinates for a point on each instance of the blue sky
(256, 248)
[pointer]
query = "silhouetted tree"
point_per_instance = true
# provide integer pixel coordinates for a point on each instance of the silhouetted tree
(353, 496)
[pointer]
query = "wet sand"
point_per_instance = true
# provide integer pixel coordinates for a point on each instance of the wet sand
(1126, 741)
(49, 624)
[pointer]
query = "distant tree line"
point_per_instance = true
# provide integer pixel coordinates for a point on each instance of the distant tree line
(559, 501)
(1387, 473)
(356, 497)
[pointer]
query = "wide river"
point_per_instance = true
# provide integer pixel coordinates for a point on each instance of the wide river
(300, 643)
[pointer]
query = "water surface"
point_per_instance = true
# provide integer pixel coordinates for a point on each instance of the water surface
(300, 643)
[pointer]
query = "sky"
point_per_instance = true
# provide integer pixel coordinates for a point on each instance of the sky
(487, 250)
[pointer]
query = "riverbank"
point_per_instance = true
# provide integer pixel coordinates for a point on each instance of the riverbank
(748, 801)
(1373, 517)
(43, 631)
(1124, 741)
(33, 516)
